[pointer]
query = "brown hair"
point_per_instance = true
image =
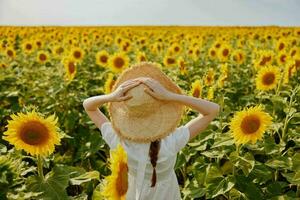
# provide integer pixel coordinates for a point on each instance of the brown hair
(153, 153)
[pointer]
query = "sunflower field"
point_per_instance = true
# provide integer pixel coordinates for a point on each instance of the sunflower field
(51, 150)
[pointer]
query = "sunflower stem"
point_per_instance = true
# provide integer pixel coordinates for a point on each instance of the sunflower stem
(287, 116)
(40, 167)
(237, 149)
(221, 112)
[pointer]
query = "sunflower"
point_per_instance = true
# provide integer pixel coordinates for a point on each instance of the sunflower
(182, 65)
(282, 58)
(77, 53)
(294, 51)
(176, 48)
(42, 56)
(28, 47)
(297, 62)
(267, 78)
(125, 45)
(10, 52)
(58, 51)
(3, 65)
(196, 53)
(281, 44)
(224, 68)
(70, 67)
(249, 124)
(38, 43)
(140, 57)
(117, 183)
(238, 56)
(210, 92)
(109, 83)
(212, 53)
(289, 71)
(118, 62)
(102, 58)
(263, 58)
(33, 133)
(108, 40)
(224, 52)
(196, 90)
(209, 78)
(221, 80)
(169, 61)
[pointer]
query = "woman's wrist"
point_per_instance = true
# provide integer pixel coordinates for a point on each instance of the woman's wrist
(92, 103)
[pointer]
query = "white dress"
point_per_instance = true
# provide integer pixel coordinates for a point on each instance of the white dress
(140, 168)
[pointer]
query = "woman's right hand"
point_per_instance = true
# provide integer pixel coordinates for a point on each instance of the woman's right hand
(118, 94)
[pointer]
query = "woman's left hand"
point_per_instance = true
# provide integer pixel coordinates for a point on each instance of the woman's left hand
(155, 89)
(118, 94)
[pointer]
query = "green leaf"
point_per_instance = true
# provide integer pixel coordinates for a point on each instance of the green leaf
(53, 186)
(214, 153)
(296, 162)
(223, 140)
(220, 186)
(88, 176)
(293, 177)
(260, 173)
(213, 172)
(246, 163)
(180, 161)
(280, 162)
(276, 188)
(246, 186)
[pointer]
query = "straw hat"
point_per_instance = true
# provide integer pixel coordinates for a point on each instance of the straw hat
(143, 118)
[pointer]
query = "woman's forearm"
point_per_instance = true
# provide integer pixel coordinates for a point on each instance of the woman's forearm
(92, 103)
(203, 106)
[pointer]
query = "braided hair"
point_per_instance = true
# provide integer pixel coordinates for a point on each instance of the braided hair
(153, 153)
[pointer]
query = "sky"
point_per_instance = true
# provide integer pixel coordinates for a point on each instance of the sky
(151, 12)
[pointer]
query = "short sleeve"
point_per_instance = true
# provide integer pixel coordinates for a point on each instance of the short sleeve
(178, 139)
(109, 135)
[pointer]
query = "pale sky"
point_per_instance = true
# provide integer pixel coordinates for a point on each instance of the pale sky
(150, 12)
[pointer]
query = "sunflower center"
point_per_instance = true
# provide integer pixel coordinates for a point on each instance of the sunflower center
(282, 58)
(122, 179)
(281, 46)
(77, 54)
(43, 57)
(10, 53)
(268, 78)
(34, 133)
(103, 59)
(59, 50)
(143, 58)
(28, 46)
(170, 61)
(213, 53)
(119, 62)
(71, 67)
(250, 124)
(196, 92)
(225, 52)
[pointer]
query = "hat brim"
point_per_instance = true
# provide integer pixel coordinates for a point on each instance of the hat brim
(160, 123)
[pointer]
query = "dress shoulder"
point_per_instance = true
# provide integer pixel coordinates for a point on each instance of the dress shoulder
(109, 135)
(178, 139)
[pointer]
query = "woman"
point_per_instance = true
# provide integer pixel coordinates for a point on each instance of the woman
(161, 153)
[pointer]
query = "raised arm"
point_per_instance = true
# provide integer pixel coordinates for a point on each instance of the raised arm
(208, 111)
(91, 104)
